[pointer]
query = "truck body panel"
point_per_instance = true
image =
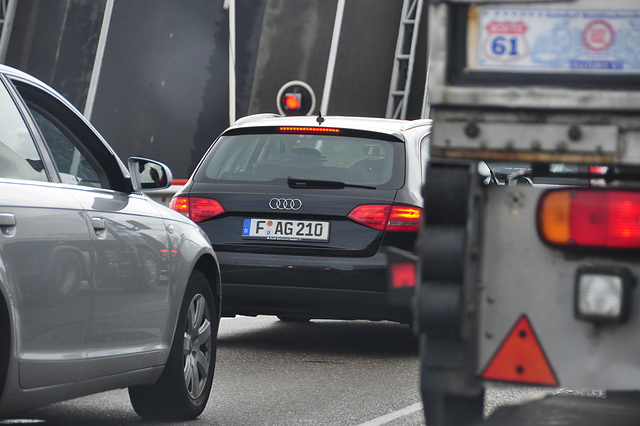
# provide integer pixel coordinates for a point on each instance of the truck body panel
(521, 275)
(517, 90)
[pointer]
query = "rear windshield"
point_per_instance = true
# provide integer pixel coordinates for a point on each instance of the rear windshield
(268, 157)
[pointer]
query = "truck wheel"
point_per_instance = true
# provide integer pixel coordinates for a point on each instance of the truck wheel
(441, 409)
(183, 389)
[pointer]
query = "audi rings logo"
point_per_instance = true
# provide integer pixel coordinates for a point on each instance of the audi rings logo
(285, 204)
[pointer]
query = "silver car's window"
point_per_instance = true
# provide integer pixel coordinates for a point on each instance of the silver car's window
(73, 167)
(265, 157)
(19, 157)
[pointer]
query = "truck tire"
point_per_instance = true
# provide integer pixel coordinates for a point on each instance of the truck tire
(442, 409)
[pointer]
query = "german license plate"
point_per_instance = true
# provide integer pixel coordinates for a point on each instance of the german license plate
(285, 230)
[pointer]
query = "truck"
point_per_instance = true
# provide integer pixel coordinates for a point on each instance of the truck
(528, 255)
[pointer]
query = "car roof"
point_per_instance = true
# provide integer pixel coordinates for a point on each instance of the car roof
(5, 69)
(16, 73)
(381, 125)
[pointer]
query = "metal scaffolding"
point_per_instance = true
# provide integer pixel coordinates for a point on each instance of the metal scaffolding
(6, 22)
(404, 59)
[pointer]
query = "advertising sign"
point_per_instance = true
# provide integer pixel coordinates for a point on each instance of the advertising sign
(555, 40)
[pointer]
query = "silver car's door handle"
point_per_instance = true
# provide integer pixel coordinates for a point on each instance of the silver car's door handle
(7, 219)
(98, 223)
(8, 224)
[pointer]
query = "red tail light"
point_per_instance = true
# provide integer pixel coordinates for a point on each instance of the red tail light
(403, 275)
(404, 219)
(196, 209)
(309, 130)
(584, 218)
(389, 218)
(599, 172)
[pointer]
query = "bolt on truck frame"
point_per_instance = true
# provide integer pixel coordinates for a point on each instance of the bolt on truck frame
(527, 263)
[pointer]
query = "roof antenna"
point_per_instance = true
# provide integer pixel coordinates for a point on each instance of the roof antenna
(320, 120)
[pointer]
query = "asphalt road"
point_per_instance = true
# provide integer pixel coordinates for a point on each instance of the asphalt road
(334, 373)
(273, 373)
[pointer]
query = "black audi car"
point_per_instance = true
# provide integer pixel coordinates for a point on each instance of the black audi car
(301, 212)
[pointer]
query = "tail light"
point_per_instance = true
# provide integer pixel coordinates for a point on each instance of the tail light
(309, 130)
(598, 170)
(197, 209)
(403, 274)
(590, 218)
(598, 176)
(388, 218)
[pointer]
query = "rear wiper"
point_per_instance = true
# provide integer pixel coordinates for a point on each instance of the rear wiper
(322, 184)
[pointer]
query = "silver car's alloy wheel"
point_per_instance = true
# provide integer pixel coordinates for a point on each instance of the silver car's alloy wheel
(197, 346)
(184, 387)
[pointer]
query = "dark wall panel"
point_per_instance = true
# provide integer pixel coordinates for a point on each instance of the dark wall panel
(56, 41)
(214, 116)
(163, 88)
(365, 57)
(249, 18)
(157, 63)
(294, 45)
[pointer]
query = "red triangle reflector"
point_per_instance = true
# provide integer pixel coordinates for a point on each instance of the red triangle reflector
(520, 358)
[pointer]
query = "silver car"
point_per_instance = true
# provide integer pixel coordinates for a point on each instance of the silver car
(100, 287)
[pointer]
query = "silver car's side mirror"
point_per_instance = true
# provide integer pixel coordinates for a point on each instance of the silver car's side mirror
(149, 175)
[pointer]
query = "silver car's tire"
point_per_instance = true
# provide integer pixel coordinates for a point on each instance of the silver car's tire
(183, 389)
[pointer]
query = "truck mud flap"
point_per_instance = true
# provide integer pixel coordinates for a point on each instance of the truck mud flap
(445, 296)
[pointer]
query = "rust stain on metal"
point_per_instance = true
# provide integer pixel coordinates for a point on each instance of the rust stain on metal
(542, 157)
(472, 37)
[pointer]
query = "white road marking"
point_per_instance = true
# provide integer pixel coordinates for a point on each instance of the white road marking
(393, 416)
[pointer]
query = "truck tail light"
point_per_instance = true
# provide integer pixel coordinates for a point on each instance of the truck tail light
(598, 173)
(590, 218)
(388, 218)
(197, 209)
